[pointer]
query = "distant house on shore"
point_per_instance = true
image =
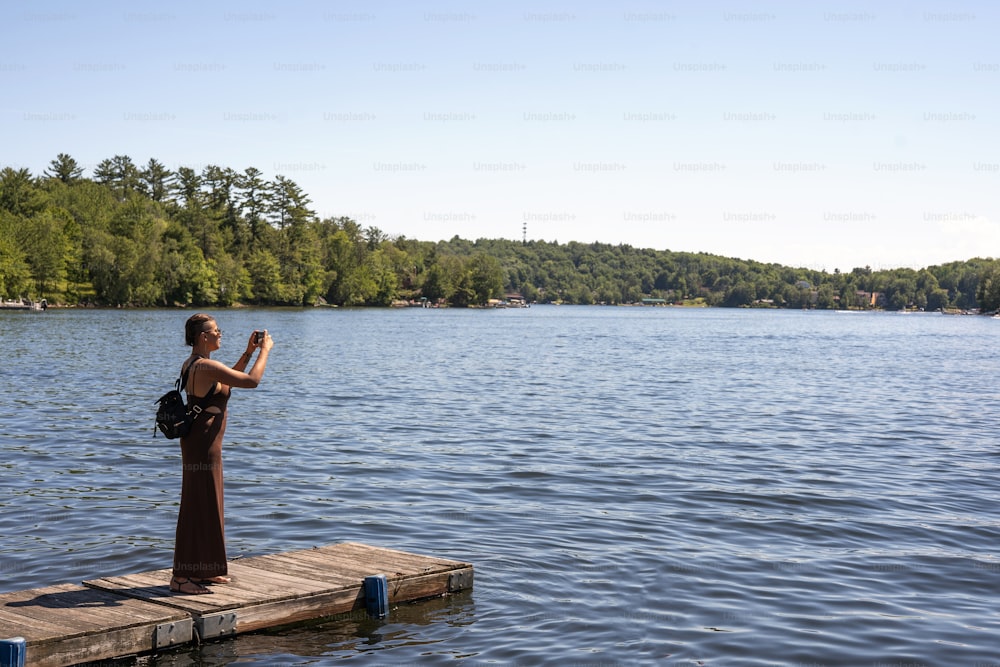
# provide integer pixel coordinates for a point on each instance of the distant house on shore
(870, 299)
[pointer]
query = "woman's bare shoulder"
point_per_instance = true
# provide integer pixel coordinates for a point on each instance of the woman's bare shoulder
(206, 364)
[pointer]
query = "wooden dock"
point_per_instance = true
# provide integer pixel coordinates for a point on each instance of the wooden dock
(112, 617)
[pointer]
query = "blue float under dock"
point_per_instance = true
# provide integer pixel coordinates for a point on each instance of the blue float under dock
(115, 616)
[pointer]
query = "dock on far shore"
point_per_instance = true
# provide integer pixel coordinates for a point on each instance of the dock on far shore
(116, 616)
(23, 304)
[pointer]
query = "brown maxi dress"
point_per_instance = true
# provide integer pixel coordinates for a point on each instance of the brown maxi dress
(200, 542)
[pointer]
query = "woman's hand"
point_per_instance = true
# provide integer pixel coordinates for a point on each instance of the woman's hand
(262, 342)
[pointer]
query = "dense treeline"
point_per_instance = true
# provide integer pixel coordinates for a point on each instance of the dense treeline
(148, 236)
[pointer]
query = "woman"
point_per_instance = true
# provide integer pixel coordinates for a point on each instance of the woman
(200, 545)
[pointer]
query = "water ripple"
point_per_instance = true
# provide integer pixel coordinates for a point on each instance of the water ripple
(634, 486)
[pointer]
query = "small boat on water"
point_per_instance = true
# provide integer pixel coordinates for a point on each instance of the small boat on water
(23, 304)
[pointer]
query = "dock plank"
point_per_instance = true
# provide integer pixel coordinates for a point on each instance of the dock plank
(418, 587)
(16, 625)
(390, 560)
(275, 583)
(350, 560)
(67, 624)
(365, 555)
(315, 566)
(76, 607)
(250, 585)
(136, 586)
(37, 604)
(330, 603)
(363, 551)
(298, 568)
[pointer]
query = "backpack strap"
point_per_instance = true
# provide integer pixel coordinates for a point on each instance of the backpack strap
(182, 380)
(194, 404)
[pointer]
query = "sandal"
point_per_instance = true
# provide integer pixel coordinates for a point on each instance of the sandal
(177, 585)
(214, 580)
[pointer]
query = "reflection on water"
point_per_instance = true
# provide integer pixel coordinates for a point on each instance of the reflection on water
(433, 624)
(633, 485)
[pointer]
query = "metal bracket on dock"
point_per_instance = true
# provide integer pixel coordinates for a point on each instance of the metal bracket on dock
(460, 580)
(173, 633)
(216, 625)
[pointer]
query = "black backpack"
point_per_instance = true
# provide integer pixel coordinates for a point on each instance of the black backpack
(173, 417)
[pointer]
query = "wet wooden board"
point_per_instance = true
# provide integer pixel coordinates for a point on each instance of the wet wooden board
(295, 586)
(67, 624)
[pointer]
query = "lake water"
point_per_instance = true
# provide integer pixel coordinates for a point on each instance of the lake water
(633, 485)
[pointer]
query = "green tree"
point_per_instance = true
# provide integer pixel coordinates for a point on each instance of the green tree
(343, 259)
(119, 174)
(302, 265)
(65, 169)
(580, 295)
(436, 286)
(233, 280)
(988, 291)
(15, 274)
(221, 201)
(937, 300)
(486, 278)
(288, 205)
(447, 279)
(253, 202)
(265, 276)
(47, 250)
(825, 297)
(188, 189)
(19, 193)
(156, 181)
(375, 237)
(384, 276)
(742, 294)
(184, 275)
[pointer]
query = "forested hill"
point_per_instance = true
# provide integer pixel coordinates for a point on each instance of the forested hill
(147, 236)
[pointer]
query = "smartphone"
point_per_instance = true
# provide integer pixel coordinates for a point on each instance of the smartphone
(258, 337)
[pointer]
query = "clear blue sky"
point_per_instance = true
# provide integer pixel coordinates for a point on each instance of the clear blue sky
(823, 134)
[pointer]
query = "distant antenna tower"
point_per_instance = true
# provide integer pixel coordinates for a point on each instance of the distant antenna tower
(524, 233)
